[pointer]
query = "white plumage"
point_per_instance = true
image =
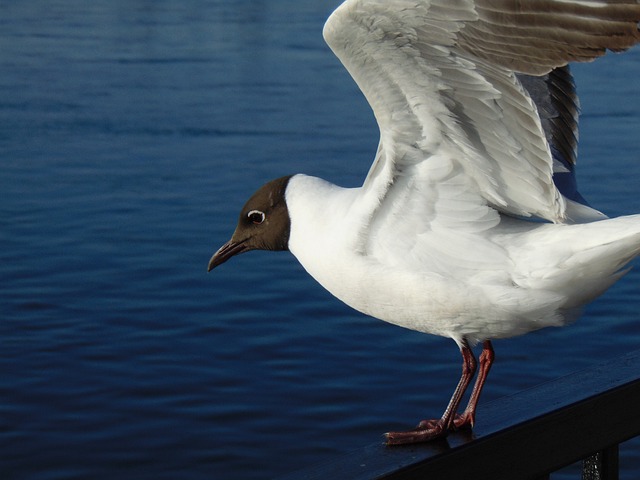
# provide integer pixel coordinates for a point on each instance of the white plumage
(462, 152)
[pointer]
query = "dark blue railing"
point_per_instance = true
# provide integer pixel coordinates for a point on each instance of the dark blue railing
(529, 435)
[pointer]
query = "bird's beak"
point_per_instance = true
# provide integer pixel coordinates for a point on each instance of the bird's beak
(228, 250)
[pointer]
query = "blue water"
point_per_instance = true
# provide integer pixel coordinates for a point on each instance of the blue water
(130, 134)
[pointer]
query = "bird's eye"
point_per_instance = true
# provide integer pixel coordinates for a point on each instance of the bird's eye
(256, 216)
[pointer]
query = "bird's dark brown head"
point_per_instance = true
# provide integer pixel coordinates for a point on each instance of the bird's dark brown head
(263, 224)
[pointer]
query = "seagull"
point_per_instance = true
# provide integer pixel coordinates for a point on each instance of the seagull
(469, 223)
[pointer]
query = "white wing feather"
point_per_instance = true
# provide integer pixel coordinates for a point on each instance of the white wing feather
(461, 141)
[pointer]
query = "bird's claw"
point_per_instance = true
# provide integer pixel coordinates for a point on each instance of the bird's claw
(426, 431)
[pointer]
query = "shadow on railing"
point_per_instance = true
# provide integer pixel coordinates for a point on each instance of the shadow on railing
(526, 436)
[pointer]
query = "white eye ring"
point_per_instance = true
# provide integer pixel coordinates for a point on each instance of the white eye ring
(256, 217)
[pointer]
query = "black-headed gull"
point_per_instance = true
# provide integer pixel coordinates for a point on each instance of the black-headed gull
(468, 224)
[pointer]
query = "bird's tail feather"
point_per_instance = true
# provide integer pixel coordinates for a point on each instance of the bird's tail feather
(586, 259)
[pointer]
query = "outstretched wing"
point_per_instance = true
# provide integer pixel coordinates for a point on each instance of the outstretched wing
(462, 126)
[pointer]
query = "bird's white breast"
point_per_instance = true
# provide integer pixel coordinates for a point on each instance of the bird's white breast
(325, 222)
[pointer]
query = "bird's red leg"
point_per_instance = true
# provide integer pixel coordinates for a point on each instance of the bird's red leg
(468, 417)
(431, 429)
